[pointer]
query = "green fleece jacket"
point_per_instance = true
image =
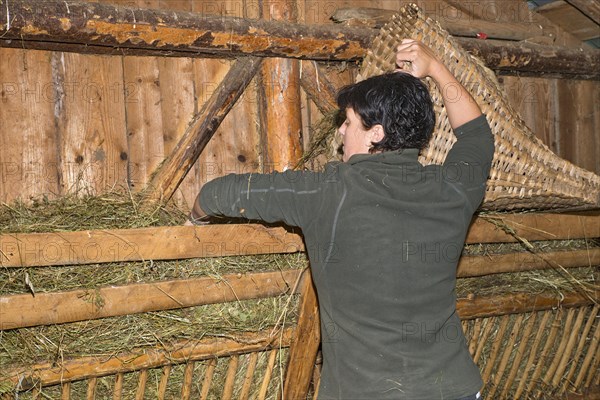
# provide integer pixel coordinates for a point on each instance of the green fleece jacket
(383, 235)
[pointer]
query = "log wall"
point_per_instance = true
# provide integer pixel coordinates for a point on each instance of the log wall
(89, 123)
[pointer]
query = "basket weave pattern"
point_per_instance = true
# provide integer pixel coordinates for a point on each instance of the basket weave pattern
(525, 174)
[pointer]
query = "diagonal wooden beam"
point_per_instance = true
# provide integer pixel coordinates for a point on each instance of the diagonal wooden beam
(170, 174)
(318, 87)
(590, 9)
(108, 29)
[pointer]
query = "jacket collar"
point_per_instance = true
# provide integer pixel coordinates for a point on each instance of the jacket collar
(387, 157)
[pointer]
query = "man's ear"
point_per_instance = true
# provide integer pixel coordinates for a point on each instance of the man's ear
(377, 133)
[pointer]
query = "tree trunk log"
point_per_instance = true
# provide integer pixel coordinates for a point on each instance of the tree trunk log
(170, 174)
(107, 29)
(178, 242)
(517, 303)
(24, 310)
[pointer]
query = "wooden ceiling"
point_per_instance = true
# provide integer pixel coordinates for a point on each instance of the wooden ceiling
(581, 18)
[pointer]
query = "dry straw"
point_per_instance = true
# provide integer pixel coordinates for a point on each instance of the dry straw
(525, 174)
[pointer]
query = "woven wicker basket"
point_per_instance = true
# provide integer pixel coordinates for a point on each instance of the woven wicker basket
(525, 174)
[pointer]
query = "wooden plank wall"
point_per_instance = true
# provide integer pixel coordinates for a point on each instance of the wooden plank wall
(81, 123)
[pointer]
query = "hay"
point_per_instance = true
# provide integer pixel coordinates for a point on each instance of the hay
(110, 336)
(112, 210)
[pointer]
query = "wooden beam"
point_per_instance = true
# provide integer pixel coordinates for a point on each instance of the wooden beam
(470, 266)
(318, 88)
(164, 243)
(23, 310)
(457, 25)
(304, 346)
(165, 181)
(502, 228)
(20, 311)
(590, 9)
(517, 303)
(48, 374)
(107, 29)
(178, 242)
(111, 29)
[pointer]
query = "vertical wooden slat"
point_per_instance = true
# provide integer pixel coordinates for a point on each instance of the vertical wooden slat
(144, 118)
(28, 149)
(508, 347)
(591, 356)
(141, 386)
(65, 391)
(91, 388)
(305, 344)
(91, 122)
(586, 330)
(573, 336)
(532, 353)
(230, 378)
(186, 387)
(560, 353)
(550, 342)
(267, 376)
(519, 355)
(118, 390)
(578, 106)
(498, 339)
(487, 330)
(164, 380)
(252, 360)
(474, 339)
(208, 376)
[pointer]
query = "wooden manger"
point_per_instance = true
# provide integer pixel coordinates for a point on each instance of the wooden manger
(526, 344)
(533, 341)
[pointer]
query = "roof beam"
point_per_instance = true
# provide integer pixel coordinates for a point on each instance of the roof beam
(108, 29)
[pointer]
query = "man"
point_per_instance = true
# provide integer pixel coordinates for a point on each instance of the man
(383, 234)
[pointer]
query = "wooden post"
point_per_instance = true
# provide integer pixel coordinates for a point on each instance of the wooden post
(279, 101)
(107, 29)
(304, 347)
(203, 126)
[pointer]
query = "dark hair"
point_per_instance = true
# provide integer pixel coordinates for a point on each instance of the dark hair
(397, 101)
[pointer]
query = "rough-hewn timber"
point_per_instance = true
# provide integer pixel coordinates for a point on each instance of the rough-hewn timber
(170, 174)
(108, 29)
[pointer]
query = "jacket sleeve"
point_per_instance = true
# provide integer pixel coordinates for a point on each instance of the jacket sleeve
(468, 163)
(290, 197)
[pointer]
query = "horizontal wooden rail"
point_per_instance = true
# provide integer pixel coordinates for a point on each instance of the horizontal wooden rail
(190, 350)
(19, 311)
(518, 303)
(107, 29)
(193, 350)
(471, 266)
(164, 243)
(179, 242)
(23, 310)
